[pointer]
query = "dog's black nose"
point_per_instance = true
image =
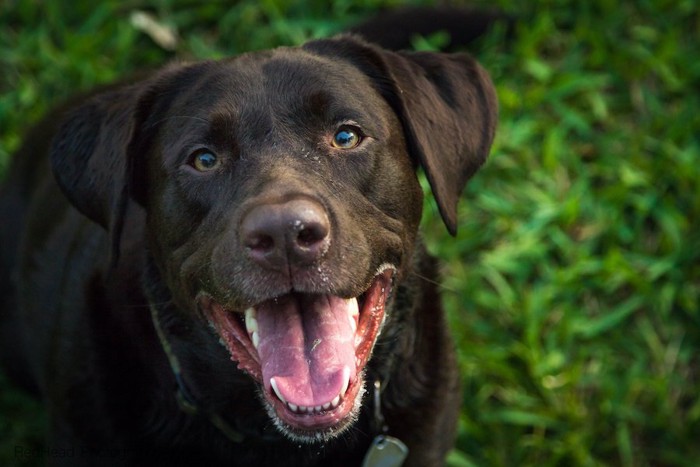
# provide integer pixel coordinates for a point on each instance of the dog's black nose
(294, 232)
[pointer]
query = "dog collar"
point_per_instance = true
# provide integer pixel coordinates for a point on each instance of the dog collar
(185, 400)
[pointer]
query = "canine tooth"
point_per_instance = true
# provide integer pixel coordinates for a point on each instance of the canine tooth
(273, 383)
(251, 323)
(353, 312)
(346, 381)
(256, 339)
(326, 406)
(353, 307)
(336, 401)
(293, 406)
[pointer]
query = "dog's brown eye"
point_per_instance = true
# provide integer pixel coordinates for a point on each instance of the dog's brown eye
(346, 138)
(205, 161)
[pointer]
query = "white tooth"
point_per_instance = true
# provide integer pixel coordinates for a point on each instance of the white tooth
(251, 323)
(353, 312)
(303, 408)
(318, 408)
(346, 381)
(273, 383)
(293, 407)
(336, 401)
(353, 307)
(256, 339)
(326, 406)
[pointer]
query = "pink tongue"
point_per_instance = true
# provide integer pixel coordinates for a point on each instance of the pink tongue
(305, 343)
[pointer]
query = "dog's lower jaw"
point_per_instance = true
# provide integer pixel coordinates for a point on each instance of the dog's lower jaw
(324, 435)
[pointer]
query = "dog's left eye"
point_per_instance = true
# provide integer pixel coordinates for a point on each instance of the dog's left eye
(346, 138)
(205, 161)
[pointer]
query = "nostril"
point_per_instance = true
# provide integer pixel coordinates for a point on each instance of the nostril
(260, 242)
(312, 235)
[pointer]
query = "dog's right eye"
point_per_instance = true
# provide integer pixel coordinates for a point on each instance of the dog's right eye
(347, 137)
(205, 161)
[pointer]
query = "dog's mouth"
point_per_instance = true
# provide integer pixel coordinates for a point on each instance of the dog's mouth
(308, 352)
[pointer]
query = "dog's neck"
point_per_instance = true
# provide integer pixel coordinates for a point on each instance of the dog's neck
(160, 300)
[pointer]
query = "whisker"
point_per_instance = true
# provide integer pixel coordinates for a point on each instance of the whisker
(434, 282)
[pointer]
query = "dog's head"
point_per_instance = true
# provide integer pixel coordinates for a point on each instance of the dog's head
(281, 198)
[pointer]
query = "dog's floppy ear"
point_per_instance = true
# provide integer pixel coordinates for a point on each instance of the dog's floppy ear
(96, 153)
(446, 103)
(89, 158)
(89, 153)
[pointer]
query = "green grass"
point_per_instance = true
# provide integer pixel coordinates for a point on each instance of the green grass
(573, 285)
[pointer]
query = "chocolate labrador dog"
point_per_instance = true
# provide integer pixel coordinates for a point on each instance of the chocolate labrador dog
(220, 264)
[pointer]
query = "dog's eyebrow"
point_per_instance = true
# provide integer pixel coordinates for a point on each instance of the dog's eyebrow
(179, 116)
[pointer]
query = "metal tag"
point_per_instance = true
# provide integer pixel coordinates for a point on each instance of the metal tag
(385, 451)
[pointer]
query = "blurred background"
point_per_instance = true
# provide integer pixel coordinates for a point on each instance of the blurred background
(574, 282)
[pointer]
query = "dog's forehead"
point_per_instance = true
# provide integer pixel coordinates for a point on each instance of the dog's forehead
(282, 80)
(293, 71)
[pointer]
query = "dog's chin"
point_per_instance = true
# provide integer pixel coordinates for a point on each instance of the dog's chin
(336, 423)
(308, 353)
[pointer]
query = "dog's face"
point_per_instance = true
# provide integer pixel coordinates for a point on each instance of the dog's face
(282, 201)
(253, 195)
